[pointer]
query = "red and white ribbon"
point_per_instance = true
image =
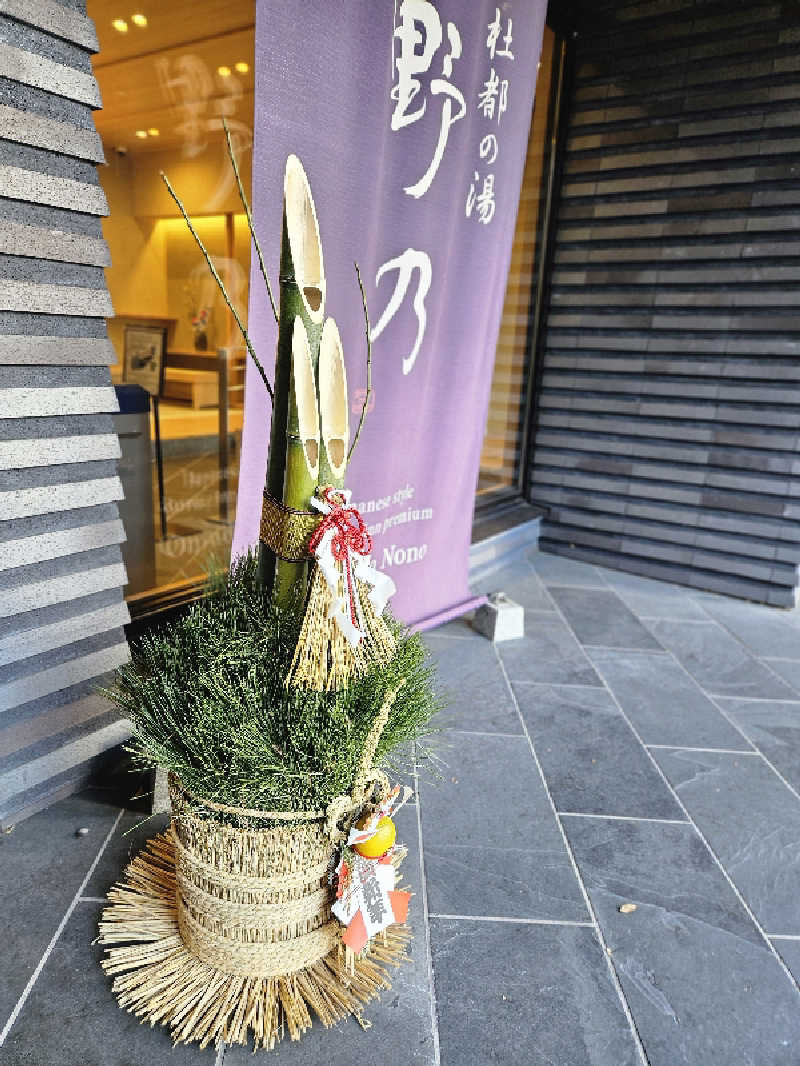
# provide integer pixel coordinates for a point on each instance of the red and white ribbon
(341, 545)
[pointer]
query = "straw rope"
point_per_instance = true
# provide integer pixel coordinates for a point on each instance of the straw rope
(257, 960)
(255, 884)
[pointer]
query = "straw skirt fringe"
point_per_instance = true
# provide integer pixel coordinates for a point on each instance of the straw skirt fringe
(159, 979)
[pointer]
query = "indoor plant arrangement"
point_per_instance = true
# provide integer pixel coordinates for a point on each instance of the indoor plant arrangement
(275, 704)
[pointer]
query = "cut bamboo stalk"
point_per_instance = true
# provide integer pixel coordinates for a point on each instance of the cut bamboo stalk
(302, 294)
(333, 408)
(302, 452)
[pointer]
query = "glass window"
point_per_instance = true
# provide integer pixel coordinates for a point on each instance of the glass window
(168, 74)
(501, 454)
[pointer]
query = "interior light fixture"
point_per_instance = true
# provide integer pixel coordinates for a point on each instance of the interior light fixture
(120, 25)
(224, 72)
(141, 134)
(139, 20)
(242, 68)
(153, 131)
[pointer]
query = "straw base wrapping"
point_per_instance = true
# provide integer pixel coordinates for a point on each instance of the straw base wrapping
(159, 980)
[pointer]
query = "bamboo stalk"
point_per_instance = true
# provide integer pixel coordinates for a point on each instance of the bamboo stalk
(302, 294)
(333, 408)
(302, 451)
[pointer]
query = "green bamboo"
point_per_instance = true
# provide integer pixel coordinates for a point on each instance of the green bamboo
(302, 456)
(302, 295)
(333, 407)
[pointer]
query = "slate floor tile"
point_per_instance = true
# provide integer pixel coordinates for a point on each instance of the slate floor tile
(42, 864)
(492, 845)
(130, 836)
(559, 570)
(548, 653)
(789, 951)
(401, 1032)
(703, 988)
(654, 599)
(765, 631)
(457, 627)
(526, 995)
(719, 662)
(752, 821)
(598, 616)
(774, 728)
(787, 669)
(664, 704)
(521, 584)
(591, 758)
(472, 685)
(71, 1015)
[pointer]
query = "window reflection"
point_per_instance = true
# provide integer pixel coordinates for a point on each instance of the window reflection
(501, 454)
(167, 81)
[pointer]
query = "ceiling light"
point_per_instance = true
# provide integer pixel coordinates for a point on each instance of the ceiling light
(153, 131)
(224, 72)
(139, 20)
(120, 25)
(242, 67)
(141, 134)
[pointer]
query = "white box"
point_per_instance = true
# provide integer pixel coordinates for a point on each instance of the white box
(500, 619)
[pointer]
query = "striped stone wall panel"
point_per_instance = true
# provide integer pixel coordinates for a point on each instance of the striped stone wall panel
(62, 610)
(669, 410)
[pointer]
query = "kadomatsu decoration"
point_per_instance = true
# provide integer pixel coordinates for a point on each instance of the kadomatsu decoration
(274, 703)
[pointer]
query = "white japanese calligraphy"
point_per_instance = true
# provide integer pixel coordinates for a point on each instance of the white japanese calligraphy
(502, 102)
(483, 200)
(405, 265)
(493, 36)
(420, 25)
(410, 61)
(489, 148)
(488, 95)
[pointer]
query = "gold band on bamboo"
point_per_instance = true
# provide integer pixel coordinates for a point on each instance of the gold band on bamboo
(286, 531)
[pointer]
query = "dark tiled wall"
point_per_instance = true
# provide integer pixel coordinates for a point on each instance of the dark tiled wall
(61, 572)
(667, 440)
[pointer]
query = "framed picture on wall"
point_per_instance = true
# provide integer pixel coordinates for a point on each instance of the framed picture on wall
(145, 349)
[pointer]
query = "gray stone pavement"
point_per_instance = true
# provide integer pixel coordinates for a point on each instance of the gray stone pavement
(640, 745)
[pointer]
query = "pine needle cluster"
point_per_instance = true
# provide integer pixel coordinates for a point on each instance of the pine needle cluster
(207, 700)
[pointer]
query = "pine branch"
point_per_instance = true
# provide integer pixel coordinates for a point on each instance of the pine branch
(369, 365)
(248, 213)
(207, 699)
(218, 280)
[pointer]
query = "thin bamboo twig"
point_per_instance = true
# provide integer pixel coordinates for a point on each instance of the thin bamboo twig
(369, 365)
(218, 280)
(249, 214)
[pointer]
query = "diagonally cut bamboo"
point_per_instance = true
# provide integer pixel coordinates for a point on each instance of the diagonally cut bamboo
(302, 294)
(333, 408)
(303, 412)
(302, 451)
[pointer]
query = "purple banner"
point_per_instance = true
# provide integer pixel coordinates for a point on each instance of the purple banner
(411, 120)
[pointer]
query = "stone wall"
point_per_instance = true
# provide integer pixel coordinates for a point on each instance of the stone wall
(669, 412)
(61, 572)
